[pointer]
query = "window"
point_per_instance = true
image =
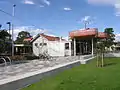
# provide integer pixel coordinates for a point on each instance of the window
(67, 46)
(36, 44)
(40, 44)
(44, 44)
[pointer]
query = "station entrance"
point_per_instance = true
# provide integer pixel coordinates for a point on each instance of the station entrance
(84, 41)
(82, 46)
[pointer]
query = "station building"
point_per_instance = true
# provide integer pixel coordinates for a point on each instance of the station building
(84, 41)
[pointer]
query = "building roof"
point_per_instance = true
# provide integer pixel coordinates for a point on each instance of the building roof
(48, 37)
(102, 35)
(82, 33)
(28, 39)
(87, 32)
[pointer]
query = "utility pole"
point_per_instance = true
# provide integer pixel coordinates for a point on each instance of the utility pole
(13, 14)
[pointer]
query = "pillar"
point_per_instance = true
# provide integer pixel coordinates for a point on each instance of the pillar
(92, 47)
(24, 50)
(16, 50)
(70, 48)
(86, 48)
(74, 47)
(80, 47)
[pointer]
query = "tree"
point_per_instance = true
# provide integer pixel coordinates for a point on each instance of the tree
(5, 42)
(102, 43)
(21, 36)
(111, 37)
(100, 52)
(4, 35)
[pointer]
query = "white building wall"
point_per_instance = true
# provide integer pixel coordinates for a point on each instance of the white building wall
(68, 52)
(54, 48)
(39, 49)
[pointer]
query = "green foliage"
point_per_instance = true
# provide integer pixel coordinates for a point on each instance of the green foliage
(21, 36)
(4, 35)
(5, 41)
(111, 37)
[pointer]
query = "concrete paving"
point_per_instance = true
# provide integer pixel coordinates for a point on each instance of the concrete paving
(15, 70)
(112, 54)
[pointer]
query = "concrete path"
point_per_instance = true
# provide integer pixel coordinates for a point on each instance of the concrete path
(16, 70)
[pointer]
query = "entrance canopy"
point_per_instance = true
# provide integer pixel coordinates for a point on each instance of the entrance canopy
(90, 32)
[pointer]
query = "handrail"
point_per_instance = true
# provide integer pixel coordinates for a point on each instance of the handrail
(4, 61)
(9, 59)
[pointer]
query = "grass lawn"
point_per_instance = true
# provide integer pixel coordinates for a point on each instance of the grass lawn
(84, 77)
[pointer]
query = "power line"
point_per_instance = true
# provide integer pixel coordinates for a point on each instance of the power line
(5, 12)
(13, 16)
(9, 1)
(23, 22)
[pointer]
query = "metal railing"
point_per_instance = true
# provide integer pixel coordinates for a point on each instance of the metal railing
(5, 60)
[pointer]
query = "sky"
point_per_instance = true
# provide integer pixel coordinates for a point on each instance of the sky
(59, 17)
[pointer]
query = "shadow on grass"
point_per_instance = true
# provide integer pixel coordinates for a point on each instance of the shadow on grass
(109, 64)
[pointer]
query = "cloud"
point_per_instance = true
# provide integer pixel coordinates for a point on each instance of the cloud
(67, 9)
(40, 3)
(47, 2)
(114, 3)
(117, 37)
(28, 2)
(66, 38)
(86, 18)
(117, 7)
(32, 30)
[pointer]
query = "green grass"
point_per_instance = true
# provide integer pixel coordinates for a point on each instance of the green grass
(84, 77)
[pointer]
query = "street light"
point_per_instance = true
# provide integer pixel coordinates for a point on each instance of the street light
(13, 14)
(9, 23)
(0, 26)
